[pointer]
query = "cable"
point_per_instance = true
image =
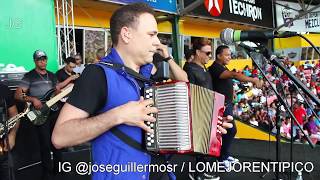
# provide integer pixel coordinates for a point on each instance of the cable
(306, 39)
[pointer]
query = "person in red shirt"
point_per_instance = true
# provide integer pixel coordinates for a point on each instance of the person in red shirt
(300, 114)
(318, 89)
(254, 72)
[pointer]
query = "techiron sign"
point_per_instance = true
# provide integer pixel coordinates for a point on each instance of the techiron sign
(247, 8)
(253, 12)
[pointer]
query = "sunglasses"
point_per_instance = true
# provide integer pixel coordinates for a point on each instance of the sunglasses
(207, 53)
(42, 59)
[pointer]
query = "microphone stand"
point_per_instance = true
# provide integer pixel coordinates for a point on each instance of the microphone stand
(280, 99)
(291, 132)
(274, 60)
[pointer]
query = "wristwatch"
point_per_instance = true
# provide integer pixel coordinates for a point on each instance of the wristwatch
(167, 58)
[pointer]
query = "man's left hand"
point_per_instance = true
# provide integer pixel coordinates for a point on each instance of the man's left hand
(163, 50)
(224, 124)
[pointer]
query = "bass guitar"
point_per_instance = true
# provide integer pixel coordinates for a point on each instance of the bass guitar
(39, 116)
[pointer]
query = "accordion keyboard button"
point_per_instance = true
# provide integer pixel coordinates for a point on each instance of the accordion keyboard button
(152, 141)
(149, 139)
(149, 144)
(148, 123)
(152, 135)
(151, 125)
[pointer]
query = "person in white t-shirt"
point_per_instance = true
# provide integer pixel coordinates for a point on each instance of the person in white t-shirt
(293, 69)
(79, 66)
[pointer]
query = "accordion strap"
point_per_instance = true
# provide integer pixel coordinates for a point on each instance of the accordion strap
(155, 158)
(128, 70)
(128, 140)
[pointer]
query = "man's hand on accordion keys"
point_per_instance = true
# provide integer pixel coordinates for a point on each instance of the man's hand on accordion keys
(135, 113)
(224, 123)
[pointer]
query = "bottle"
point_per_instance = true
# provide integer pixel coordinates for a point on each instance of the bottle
(299, 176)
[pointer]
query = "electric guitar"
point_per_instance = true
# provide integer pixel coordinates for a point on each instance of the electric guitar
(39, 116)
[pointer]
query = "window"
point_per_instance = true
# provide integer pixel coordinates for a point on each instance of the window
(88, 41)
(62, 44)
(94, 39)
(304, 53)
(310, 53)
(316, 56)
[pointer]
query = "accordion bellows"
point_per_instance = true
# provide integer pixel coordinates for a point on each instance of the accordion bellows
(187, 119)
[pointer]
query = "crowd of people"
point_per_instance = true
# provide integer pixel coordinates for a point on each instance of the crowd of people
(258, 106)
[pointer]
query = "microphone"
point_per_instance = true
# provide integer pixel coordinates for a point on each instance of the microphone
(229, 36)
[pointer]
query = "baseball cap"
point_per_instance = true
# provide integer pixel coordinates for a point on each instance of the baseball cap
(39, 54)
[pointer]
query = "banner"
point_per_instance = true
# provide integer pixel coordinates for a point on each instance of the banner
(287, 11)
(169, 6)
(29, 27)
(252, 12)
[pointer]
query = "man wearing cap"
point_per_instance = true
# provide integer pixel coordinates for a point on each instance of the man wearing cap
(35, 84)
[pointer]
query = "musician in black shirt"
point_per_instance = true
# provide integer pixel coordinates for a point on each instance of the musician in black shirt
(196, 70)
(36, 84)
(222, 83)
(66, 75)
(8, 110)
(198, 75)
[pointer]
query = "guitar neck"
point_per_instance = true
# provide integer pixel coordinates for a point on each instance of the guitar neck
(59, 96)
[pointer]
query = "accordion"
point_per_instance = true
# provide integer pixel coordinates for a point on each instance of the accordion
(186, 121)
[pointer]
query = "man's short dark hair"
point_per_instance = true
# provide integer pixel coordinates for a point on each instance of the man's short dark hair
(188, 53)
(78, 55)
(70, 60)
(198, 43)
(127, 16)
(220, 49)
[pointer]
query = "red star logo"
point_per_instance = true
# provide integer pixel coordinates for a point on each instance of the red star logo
(214, 7)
